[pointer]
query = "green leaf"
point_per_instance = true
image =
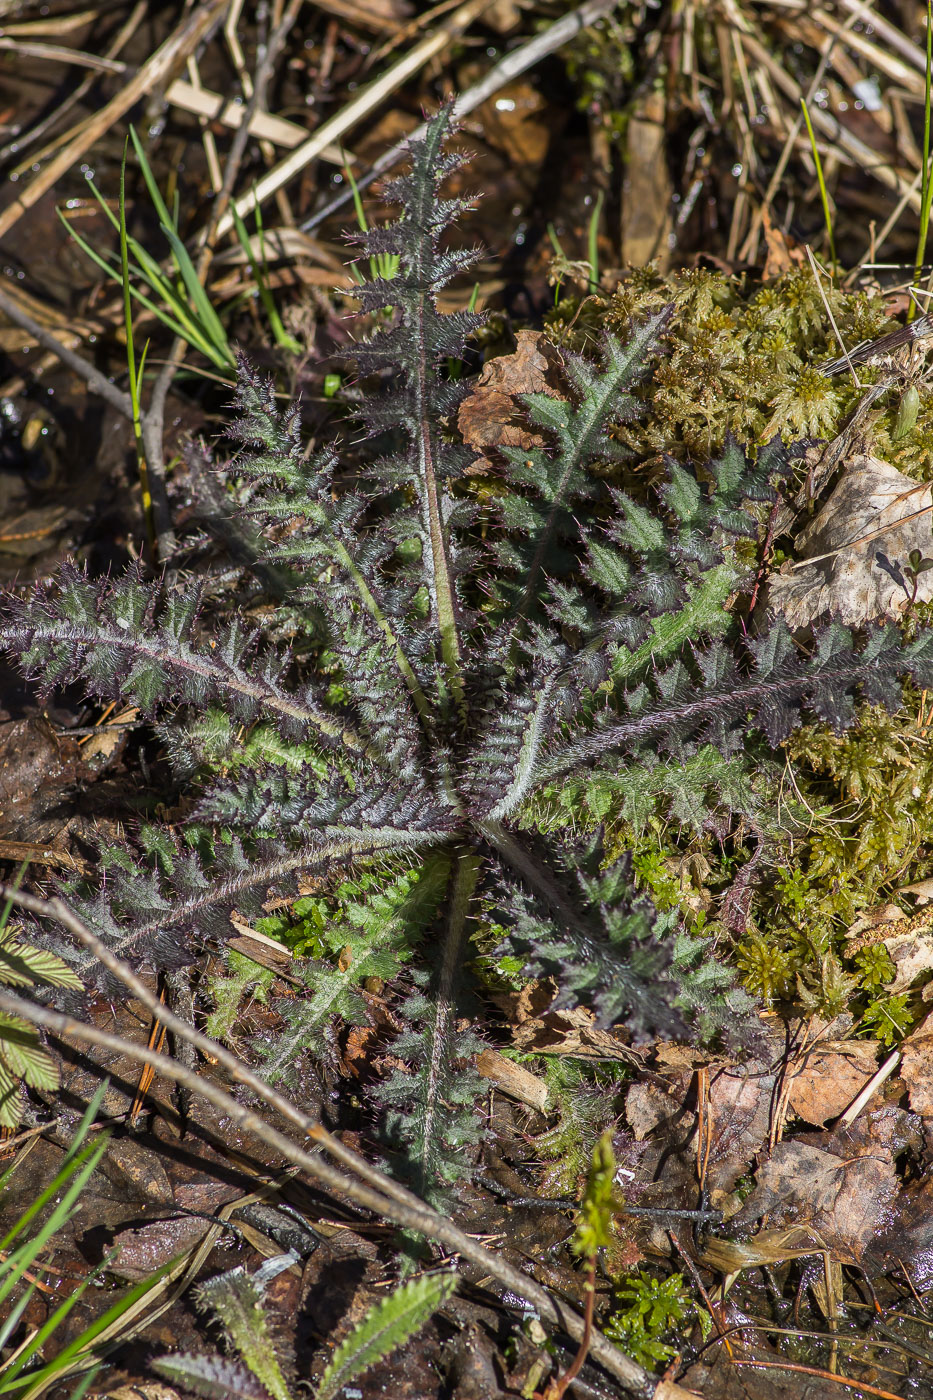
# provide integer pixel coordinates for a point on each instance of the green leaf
(386, 1327)
(597, 1208)
(236, 1298)
(21, 1053)
(22, 965)
(216, 1377)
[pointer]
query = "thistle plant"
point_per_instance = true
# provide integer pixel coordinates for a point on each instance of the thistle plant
(462, 665)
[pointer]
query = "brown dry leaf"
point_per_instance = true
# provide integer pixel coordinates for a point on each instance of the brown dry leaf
(109, 738)
(649, 1105)
(922, 891)
(845, 1200)
(142, 1249)
(916, 1068)
(516, 121)
(359, 1047)
(738, 1119)
(571, 1032)
(492, 416)
(503, 16)
(912, 955)
(874, 511)
(829, 1079)
(783, 256)
(536, 1030)
(36, 765)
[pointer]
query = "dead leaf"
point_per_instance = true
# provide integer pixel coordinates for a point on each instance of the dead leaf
(783, 255)
(844, 1200)
(36, 766)
(738, 1114)
(360, 1045)
(740, 1117)
(109, 738)
(922, 891)
(493, 416)
(828, 1081)
(515, 122)
(916, 1067)
(912, 955)
(875, 513)
(147, 1247)
(572, 1032)
(649, 1105)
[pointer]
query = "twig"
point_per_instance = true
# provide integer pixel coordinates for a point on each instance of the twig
(96, 382)
(823, 1375)
(514, 63)
(380, 1193)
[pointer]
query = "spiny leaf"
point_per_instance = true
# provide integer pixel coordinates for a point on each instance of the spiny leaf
(385, 1328)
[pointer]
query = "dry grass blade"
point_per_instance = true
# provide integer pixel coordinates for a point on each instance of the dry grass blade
(522, 58)
(193, 29)
(849, 147)
(55, 117)
(202, 102)
(362, 105)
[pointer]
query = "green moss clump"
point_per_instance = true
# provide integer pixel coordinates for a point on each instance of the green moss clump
(744, 359)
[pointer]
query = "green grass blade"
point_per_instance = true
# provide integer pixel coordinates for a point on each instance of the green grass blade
(200, 301)
(593, 240)
(50, 1326)
(357, 199)
(72, 1353)
(824, 193)
(8, 904)
(155, 194)
(84, 1384)
(75, 1149)
(261, 278)
(80, 1172)
(11, 1321)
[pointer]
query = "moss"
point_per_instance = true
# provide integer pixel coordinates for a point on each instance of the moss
(744, 359)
